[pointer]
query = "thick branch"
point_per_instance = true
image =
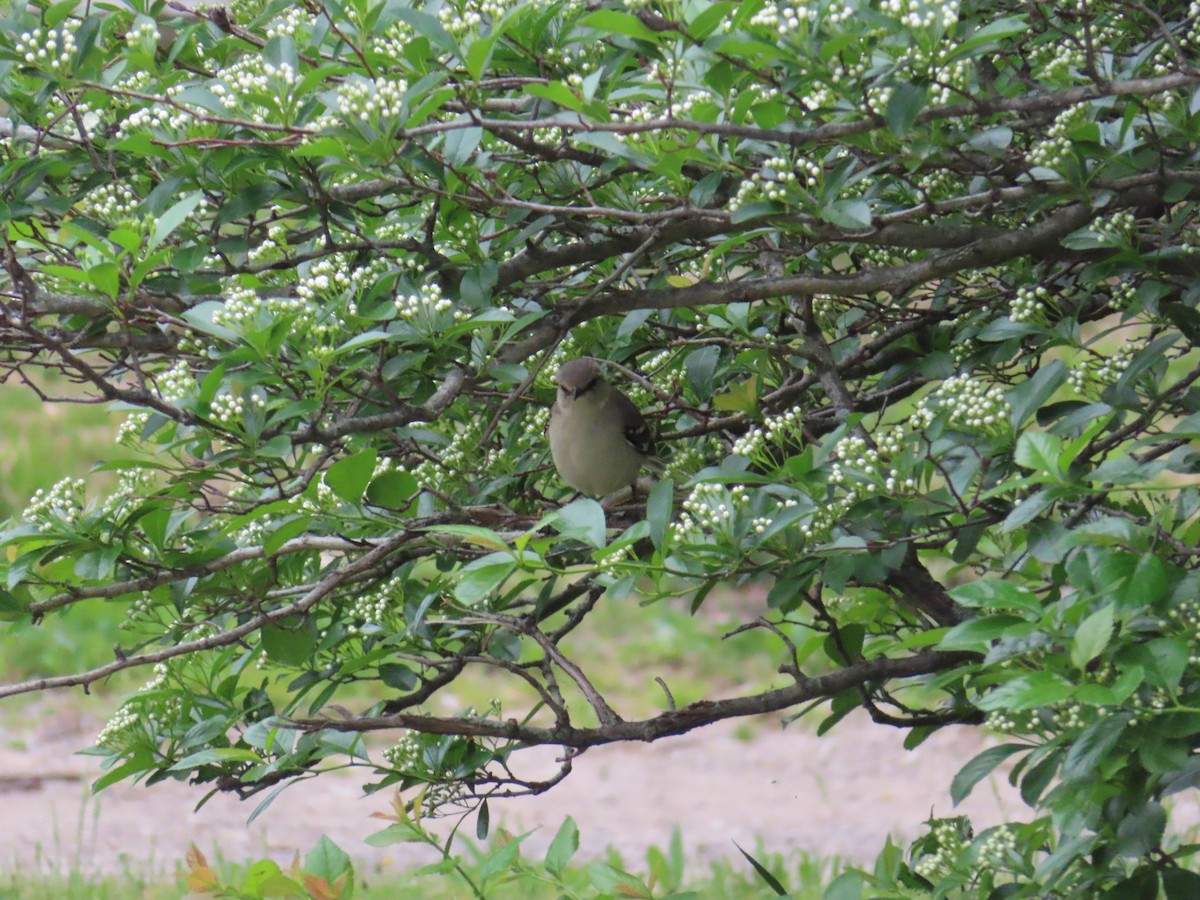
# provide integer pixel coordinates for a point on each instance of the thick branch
(665, 724)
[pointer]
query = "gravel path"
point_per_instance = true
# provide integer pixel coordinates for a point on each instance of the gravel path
(838, 795)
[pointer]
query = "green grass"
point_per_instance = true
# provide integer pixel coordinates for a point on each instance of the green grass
(665, 869)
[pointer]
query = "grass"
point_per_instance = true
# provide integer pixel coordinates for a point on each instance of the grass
(665, 869)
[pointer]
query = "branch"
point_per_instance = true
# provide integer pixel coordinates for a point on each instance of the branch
(222, 639)
(665, 724)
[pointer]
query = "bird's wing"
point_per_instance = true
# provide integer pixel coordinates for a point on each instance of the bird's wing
(634, 424)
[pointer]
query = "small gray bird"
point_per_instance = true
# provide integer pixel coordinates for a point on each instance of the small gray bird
(598, 438)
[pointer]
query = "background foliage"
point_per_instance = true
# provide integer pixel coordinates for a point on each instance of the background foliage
(908, 288)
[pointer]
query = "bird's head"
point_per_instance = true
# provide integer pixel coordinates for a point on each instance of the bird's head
(576, 378)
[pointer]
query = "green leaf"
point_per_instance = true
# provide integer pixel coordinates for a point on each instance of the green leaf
(394, 675)
(349, 477)
(1092, 636)
(426, 25)
(292, 527)
(106, 276)
(1039, 451)
(327, 860)
(1091, 746)
(701, 368)
(1027, 692)
(1028, 509)
(771, 881)
(847, 886)
(480, 578)
(563, 847)
(976, 634)
(483, 821)
(611, 21)
(1141, 885)
(477, 283)
(994, 593)
(582, 520)
(363, 340)
(501, 859)
(1180, 884)
(853, 215)
(462, 142)
(1027, 397)
(979, 768)
(904, 106)
(392, 489)
(556, 92)
(659, 507)
(165, 224)
(292, 646)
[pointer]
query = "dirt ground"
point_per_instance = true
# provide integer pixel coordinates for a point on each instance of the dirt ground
(838, 795)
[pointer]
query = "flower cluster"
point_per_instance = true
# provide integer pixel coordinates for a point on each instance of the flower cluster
(116, 731)
(176, 383)
(427, 308)
(1053, 150)
(289, 23)
(132, 484)
(339, 275)
(717, 511)
(54, 49)
(774, 178)
(1122, 294)
(254, 87)
(1026, 721)
(787, 426)
(971, 403)
(144, 34)
(863, 466)
(112, 203)
(130, 431)
(1101, 370)
(156, 115)
(365, 100)
(785, 19)
(121, 730)
(949, 837)
(375, 608)
(996, 850)
(463, 17)
(62, 504)
(242, 305)
(229, 408)
(941, 14)
(1115, 229)
(1030, 304)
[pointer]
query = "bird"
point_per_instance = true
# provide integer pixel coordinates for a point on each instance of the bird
(599, 439)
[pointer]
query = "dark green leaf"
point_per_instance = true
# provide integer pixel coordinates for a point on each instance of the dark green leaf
(1092, 745)
(659, 509)
(771, 881)
(904, 106)
(1028, 396)
(979, 768)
